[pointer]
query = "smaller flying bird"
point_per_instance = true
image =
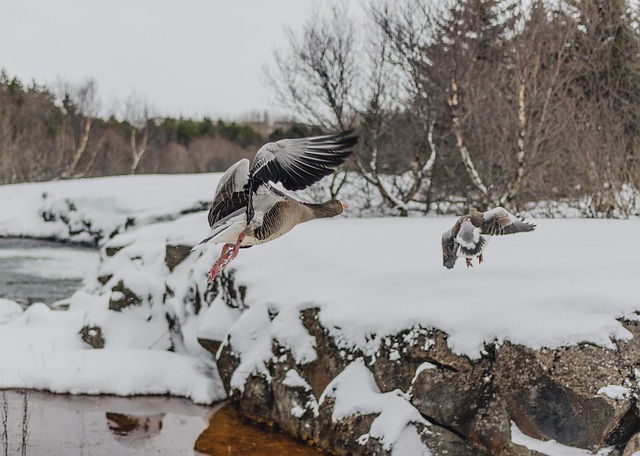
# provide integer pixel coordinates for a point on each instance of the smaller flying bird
(468, 237)
(247, 210)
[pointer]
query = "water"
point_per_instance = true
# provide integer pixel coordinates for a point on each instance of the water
(42, 271)
(62, 425)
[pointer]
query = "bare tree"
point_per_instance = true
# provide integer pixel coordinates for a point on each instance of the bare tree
(606, 71)
(396, 90)
(540, 50)
(329, 78)
(81, 104)
(316, 76)
(137, 114)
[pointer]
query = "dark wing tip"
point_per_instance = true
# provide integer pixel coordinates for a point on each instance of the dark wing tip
(342, 140)
(449, 262)
(322, 156)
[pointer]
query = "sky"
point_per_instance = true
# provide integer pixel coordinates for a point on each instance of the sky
(189, 57)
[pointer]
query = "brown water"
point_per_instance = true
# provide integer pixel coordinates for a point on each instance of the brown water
(65, 425)
(229, 433)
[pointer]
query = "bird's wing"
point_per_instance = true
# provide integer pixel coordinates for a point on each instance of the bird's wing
(449, 249)
(298, 163)
(498, 221)
(230, 194)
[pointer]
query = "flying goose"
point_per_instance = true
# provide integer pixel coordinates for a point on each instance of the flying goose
(468, 237)
(247, 210)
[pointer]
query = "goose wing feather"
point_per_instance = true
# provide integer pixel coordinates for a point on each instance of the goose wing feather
(298, 163)
(230, 194)
(499, 221)
(449, 249)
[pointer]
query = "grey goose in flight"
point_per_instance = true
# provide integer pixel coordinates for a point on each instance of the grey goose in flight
(469, 236)
(247, 210)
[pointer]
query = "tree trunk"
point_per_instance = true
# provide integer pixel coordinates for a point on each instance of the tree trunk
(82, 146)
(138, 151)
(464, 152)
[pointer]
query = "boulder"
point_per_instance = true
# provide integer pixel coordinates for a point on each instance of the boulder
(122, 297)
(175, 254)
(558, 394)
(92, 334)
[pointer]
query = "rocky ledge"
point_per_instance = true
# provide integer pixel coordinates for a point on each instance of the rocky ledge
(582, 396)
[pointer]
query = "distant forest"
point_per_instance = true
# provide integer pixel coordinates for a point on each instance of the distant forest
(52, 134)
(483, 102)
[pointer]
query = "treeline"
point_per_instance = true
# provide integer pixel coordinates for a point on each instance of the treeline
(57, 133)
(482, 101)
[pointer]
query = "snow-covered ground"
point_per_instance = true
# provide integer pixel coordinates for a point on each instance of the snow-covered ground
(567, 282)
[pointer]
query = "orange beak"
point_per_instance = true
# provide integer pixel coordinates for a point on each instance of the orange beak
(344, 206)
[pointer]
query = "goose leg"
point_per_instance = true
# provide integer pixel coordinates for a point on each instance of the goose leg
(229, 252)
(469, 262)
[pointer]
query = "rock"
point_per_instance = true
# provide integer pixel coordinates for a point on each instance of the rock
(122, 297)
(92, 335)
(112, 250)
(287, 397)
(175, 254)
(633, 446)
(553, 394)
(103, 279)
(404, 352)
(447, 396)
(329, 361)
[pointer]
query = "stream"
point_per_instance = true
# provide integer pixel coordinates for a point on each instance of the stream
(42, 271)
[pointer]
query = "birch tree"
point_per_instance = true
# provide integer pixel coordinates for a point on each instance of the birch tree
(137, 114)
(396, 89)
(81, 104)
(336, 79)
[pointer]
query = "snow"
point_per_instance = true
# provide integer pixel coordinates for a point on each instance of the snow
(356, 393)
(375, 277)
(551, 447)
(41, 349)
(105, 203)
(616, 392)
(565, 283)
(9, 310)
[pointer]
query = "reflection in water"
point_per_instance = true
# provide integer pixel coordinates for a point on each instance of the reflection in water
(63, 425)
(134, 430)
(229, 434)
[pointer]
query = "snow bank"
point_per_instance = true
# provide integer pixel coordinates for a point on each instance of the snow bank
(356, 393)
(558, 285)
(41, 349)
(89, 210)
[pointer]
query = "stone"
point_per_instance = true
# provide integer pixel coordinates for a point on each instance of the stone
(448, 396)
(92, 335)
(103, 279)
(175, 254)
(552, 394)
(122, 297)
(633, 446)
(111, 251)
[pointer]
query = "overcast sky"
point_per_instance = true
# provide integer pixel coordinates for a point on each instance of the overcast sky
(189, 57)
